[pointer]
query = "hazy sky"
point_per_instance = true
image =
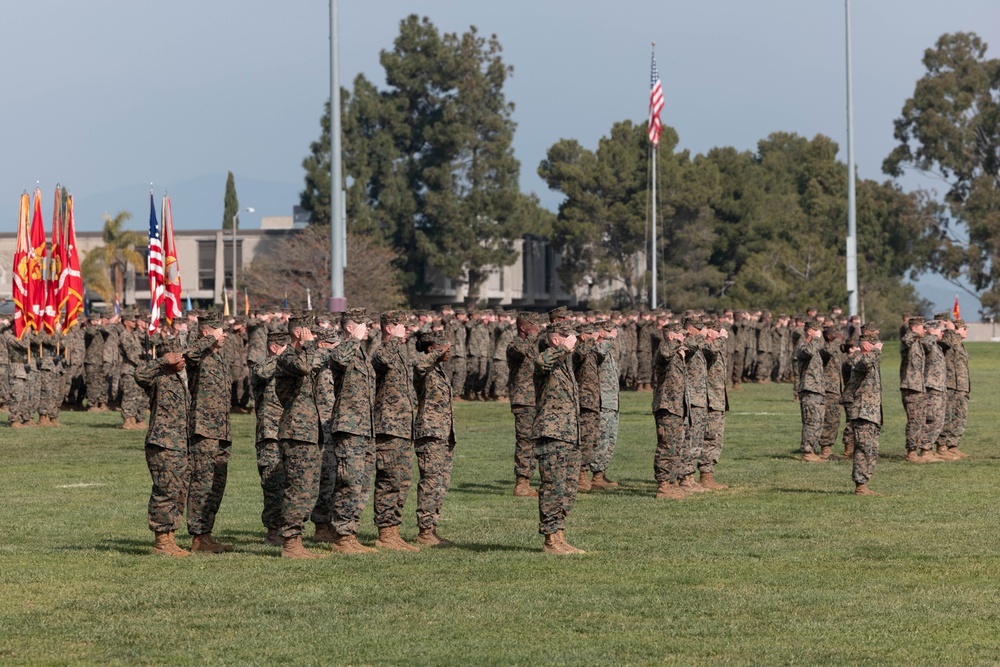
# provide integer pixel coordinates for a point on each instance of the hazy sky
(107, 96)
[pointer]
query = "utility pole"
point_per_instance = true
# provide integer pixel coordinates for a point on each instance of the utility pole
(338, 253)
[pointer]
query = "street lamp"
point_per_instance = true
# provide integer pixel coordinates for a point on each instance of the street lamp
(236, 219)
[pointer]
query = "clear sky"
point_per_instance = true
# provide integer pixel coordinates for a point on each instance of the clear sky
(107, 96)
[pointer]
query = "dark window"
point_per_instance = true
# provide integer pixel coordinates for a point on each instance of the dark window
(206, 265)
(227, 259)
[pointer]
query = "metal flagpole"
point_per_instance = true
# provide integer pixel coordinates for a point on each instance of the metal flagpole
(653, 252)
(852, 230)
(338, 303)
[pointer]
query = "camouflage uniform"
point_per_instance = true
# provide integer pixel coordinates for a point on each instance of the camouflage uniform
(326, 398)
(765, 351)
(50, 382)
(521, 355)
(353, 434)
(93, 366)
(166, 442)
(958, 398)
(697, 391)
(434, 430)
(866, 414)
(112, 362)
(811, 392)
(270, 466)
(499, 371)
(557, 437)
(478, 350)
(211, 445)
(608, 435)
(73, 353)
(832, 361)
(670, 409)
(394, 407)
(457, 364)
(586, 362)
(718, 405)
(911, 387)
(645, 331)
(134, 400)
(847, 398)
(17, 351)
(935, 384)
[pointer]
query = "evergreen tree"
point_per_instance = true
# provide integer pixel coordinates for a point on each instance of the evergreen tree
(232, 208)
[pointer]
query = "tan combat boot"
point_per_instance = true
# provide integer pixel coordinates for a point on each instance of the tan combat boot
(863, 490)
(825, 452)
(324, 533)
(348, 544)
(707, 479)
(561, 537)
(688, 485)
(553, 546)
(429, 537)
(390, 539)
(584, 484)
(523, 489)
(128, 424)
(602, 482)
(913, 456)
(165, 546)
(669, 491)
(810, 457)
(928, 456)
(292, 548)
(848, 451)
(944, 453)
(957, 453)
(206, 543)
(43, 420)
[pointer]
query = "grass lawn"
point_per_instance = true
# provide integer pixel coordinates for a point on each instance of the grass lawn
(786, 567)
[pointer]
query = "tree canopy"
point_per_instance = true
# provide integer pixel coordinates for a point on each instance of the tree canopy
(232, 205)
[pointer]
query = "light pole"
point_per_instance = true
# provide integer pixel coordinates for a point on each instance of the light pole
(338, 252)
(236, 220)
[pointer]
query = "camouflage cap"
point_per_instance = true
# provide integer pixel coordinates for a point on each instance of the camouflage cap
(944, 317)
(604, 325)
(959, 323)
(528, 317)
(299, 321)
(870, 337)
(833, 330)
(167, 345)
(673, 327)
(588, 328)
(869, 328)
(711, 322)
(356, 314)
(561, 329)
(432, 338)
(277, 338)
(210, 319)
(324, 335)
(391, 318)
(693, 322)
(813, 325)
(916, 320)
(561, 312)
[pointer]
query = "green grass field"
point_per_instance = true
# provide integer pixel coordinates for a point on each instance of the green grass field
(787, 567)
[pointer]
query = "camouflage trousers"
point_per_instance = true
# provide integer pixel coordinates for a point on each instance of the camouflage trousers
(559, 468)
(272, 481)
(393, 477)
(711, 450)
(849, 439)
(499, 374)
(208, 468)
(956, 416)
(4, 386)
(812, 406)
(97, 385)
(763, 367)
(865, 450)
(670, 434)
(629, 369)
(476, 376)
(914, 403)
(644, 367)
(168, 469)
(240, 389)
(15, 398)
(302, 461)
(524, 445)
(694, 442)
(606, 441)
(456, 370)
(76, 386)
(24, 397)
(50, 394)
(831, 421)
(590, 436)
(113, 386)
(435, 458)
(323, 512)
(355, 469)
(135, 402)
(736, 367)
(935, 407)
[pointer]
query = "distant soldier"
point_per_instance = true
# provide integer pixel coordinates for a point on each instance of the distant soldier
(4, 366)
(268, 412)
(74, 350)
(935, 388)
(832, 367)
(718, 404)
(695, 344)
(866, 410)
(93, 366)
(499, 371)
(457, 365)
(586, 367)
(958, 398)
(134, 400)
(325, 396)
(645, 331)
(166, 443)
(557, 436)
(434, 431)
(811, 390)
(607, 436)
(670, 410)
(19, 403)
(911, 386)
(478, 351)
(50, 384)
(521, 355)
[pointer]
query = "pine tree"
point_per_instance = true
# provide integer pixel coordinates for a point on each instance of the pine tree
(232, 204)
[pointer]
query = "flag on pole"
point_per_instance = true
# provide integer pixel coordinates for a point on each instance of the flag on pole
(225, 302)
(36, 264)
(70, 280)
(655, 104)
(956, 312)
(50, 311)
(172, 275)
(155, 268)
(246, 303)
(118, 304)
(19, 282)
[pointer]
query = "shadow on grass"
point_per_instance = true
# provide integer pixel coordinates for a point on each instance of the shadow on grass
(501, 487)
(824, 492)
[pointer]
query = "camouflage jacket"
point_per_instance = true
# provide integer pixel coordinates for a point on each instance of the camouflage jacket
(131, 349)
(394, 393)
(935, 371)
(866, 388)
(911, 362)
(479, 340)
(17, 351)
(93, 345)
(831, 355)
(293, 384)
(962, 382)
(715, 358)
(609, 375)
(457, 335)
(807, 356)
(557, 406)
(325, 395)
(73, 346)
(697, 371)
(211, 390)
(354, 385)
(948, 341)
(846, 369)
(521, 355)
(586, 367)
(51, 347)
(256, 343)
(670, 379)
(169, 405)
(266, 405)
(435, 417)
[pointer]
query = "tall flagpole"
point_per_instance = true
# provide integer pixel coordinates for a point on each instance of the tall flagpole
(655, 105)
(653, 252)
(852, 229)
(338, 251)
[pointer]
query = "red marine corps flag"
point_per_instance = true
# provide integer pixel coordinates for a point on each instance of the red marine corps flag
(155, 268)
(172, 274)
(956, 312)
(53, 268)
(70, 289)
(36, 264)
(19, 282)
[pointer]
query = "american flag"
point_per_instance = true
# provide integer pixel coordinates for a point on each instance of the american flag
(156, 277)
(655, 104)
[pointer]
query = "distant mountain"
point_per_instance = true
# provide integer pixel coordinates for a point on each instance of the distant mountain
(197, 203)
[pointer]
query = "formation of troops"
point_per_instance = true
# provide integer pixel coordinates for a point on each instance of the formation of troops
(344, 403)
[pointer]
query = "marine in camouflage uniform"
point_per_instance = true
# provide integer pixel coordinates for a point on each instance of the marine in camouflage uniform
(434, 431)
(325, 395)
(353, 431)
(499, 371)
(695, 345)
(935, 387)
(457, 364)
(50, 384)
(73, 352)
(478, 351)
(830, 353)
(718, 404)
(911, 385)
(764, 365)
(586, 367)
(607, 437)
(268, 411)
(557, 436)
(521, 355)
(849, 352)
(811, 390)
(112, 360)
(93, 366)
(645, 332)
(17, 352)
(166, 443)
(958, 398)
(134, 400)
(32, 390)
(670, 410)
(395, 402)
(866, 410)
(210, 446)
(4, 366)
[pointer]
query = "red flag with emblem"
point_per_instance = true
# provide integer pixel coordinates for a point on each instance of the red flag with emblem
(51, 268)
(956, 311)
(70, 288)
(19, 282)
(36, 264)
(172, 273)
